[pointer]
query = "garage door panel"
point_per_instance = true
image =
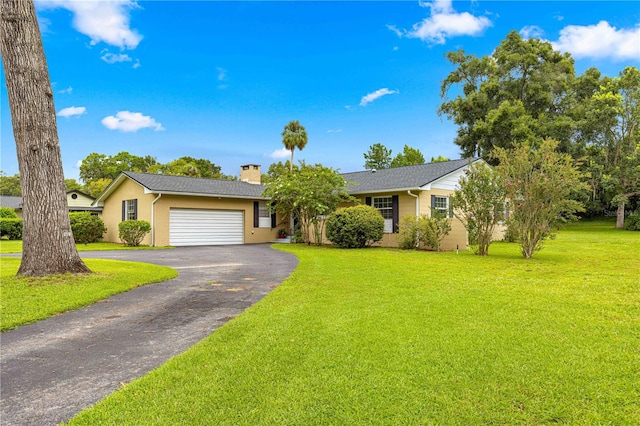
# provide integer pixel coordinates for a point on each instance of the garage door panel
(191, 227)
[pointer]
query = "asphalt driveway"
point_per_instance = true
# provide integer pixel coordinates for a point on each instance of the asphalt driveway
(52, 369)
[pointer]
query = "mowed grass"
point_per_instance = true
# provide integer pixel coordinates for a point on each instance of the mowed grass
(15, 246)
(25, 300)
(388, 337)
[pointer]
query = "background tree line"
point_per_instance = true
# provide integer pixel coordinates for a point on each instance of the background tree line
(526, 92)
(98, 170)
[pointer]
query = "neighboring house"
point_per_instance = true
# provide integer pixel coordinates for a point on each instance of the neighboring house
(12, 202)
(185, 211)
(76, 200)
(412, 191)
(81, 202)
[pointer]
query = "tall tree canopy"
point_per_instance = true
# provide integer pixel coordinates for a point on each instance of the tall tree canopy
(294, 136)
(520, 93)
(101, 166)
(613, 122)
(98, 170)
(47, 241)
(408, 157)
(377, 158)
(10, 185)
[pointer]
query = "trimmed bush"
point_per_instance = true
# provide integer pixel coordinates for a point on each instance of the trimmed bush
(632, 222)
(11, 227)
(355, 227)
(86, 228)
(132, 232)
(8, 213)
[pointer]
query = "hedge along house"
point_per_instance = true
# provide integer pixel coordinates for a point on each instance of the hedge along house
(185, 211)
(412, 191)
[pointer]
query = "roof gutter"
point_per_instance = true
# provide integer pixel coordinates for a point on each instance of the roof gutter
(153, 216)
(417, 197)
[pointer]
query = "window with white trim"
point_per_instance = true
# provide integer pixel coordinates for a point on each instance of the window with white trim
(130, 209)
(385, 207)
(264, 215)
(441, 205)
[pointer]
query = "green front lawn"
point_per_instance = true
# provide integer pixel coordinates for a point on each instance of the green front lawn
(15, 246)
(25, 300)
(378, 336)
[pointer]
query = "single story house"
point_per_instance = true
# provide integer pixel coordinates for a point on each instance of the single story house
(412, 191)
(76, 200)
(186, 211)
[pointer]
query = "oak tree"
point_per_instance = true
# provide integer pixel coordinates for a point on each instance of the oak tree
(47, 241)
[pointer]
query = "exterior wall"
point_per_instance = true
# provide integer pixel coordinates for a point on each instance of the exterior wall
(112, 210)
(80, 201)
(251, 235)
(128, 190)
(457, 238)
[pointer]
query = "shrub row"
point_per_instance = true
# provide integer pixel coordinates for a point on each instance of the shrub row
(11, 228)
(632, 222)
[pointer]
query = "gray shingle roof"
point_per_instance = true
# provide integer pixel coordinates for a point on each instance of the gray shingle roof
(11, 202)
(408, 177)
(196, 186)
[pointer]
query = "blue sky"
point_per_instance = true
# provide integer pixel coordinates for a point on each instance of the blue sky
(220, 80)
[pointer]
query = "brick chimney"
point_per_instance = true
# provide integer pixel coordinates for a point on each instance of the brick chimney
(250, 173)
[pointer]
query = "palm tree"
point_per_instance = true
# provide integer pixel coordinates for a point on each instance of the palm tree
(294, 136)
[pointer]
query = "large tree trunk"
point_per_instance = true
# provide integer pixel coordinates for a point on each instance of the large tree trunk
(47, 241)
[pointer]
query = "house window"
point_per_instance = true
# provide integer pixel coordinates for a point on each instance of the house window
(264, 215)
(130, 210)
(262, 218)
(385, 207)
(441, 205)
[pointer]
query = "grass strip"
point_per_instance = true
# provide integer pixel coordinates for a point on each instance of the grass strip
(26, 300)
(15, 246)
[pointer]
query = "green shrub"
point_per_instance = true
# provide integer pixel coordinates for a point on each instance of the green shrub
(86, 228)
(132, 232)
(8, 213)
(632, 222)
(433, 230)
(11, 227)
(408, 233)
(424, 232)
(355, 227)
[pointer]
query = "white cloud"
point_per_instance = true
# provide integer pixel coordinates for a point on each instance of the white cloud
(102, 21)
(112, 58)
(66, 91)
(531, 31)
(127, 121)
(136, 64)
(78, 164)
(600, 41)
(222, 74)
(334, 131)
(444, 23)
(72, 111)
(376, 95)
(280, 153)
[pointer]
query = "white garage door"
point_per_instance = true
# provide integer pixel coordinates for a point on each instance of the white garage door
(194, 227)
